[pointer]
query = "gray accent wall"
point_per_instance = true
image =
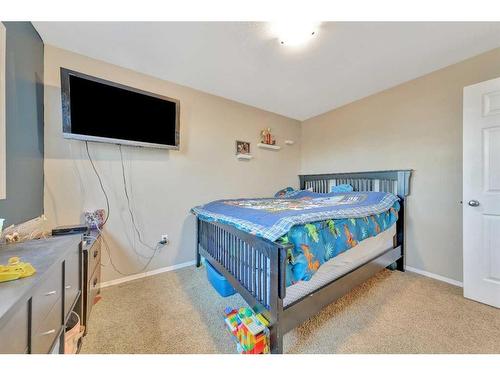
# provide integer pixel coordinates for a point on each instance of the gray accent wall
(24, 123)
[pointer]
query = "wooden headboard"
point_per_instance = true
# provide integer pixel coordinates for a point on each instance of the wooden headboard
(396, 182)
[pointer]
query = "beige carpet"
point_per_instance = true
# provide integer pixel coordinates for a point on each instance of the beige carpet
(179, 312)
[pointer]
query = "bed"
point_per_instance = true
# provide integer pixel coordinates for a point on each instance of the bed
(257, 263)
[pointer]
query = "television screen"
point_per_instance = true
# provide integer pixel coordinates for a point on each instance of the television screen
(103, 111)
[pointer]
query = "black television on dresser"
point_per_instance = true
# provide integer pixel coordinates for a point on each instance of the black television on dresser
(98, 110)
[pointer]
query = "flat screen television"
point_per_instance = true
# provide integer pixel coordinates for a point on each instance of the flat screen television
(98, 110)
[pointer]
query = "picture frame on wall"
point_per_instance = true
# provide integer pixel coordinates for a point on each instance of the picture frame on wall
(242, 148)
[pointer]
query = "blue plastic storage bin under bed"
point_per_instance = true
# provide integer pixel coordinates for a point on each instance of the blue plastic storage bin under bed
(219, 282)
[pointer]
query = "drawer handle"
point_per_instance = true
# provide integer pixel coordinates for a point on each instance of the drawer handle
(50, 332)
(51, 293)
(67, 287)
(96, 253)
(94, 283)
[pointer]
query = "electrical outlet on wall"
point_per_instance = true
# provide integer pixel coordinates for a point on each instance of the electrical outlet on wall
(164, 239)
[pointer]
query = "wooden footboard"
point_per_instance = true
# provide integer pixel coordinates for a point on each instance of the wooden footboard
(254, 266)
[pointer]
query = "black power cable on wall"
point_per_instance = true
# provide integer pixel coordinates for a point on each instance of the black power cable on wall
(132, 217)
(155, 249)
(100, 183)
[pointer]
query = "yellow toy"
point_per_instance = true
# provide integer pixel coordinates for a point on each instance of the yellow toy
(15, 269)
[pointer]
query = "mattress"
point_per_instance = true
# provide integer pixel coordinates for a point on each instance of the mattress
(342, 264)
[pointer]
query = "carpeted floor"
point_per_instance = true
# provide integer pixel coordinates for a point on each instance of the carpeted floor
(179, 312)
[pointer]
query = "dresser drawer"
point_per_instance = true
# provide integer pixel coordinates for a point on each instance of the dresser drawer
(72, 279)
(14, 334)
(48, 331)
(94, 255)
(46, 295)
(93, 289)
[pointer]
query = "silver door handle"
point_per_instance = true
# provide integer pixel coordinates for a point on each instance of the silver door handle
(51, 293)
(473, 203)
(68, 286)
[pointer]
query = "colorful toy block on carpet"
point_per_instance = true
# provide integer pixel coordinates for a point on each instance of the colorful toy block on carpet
(248, 329)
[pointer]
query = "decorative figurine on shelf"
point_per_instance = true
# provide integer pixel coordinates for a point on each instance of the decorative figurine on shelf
(266, 137)
(249, 330)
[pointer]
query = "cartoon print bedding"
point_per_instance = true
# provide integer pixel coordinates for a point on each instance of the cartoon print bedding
(316, 243)
(320, 226)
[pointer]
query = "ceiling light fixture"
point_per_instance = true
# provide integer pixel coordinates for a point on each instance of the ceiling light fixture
(292, 33)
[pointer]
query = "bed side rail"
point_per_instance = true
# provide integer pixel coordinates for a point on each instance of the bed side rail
(254, 266)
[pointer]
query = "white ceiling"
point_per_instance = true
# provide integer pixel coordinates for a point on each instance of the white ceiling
(242, 61)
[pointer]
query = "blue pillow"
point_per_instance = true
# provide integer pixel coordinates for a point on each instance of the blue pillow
(284, 192)
(344, 188)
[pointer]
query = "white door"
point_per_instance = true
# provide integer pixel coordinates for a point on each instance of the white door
(481, 192)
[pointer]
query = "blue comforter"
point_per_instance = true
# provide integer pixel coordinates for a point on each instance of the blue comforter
(272, 218)
(320, 226)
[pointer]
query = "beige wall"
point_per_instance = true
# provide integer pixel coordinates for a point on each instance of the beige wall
(415, 125)
(164, 185)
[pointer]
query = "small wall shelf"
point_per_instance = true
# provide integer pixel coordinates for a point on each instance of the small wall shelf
(269, 147)
(244, 156)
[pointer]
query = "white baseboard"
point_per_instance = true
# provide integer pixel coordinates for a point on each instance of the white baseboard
(434, 276)
(141, 275)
